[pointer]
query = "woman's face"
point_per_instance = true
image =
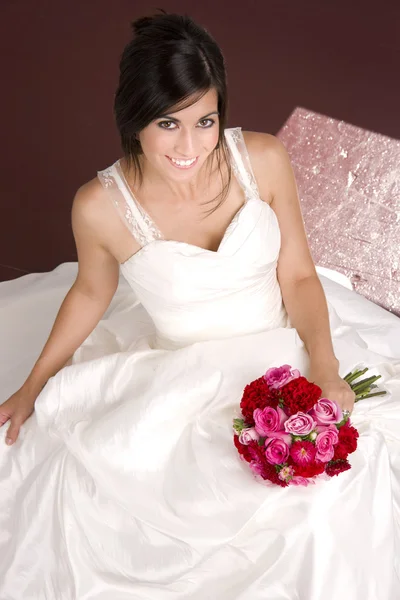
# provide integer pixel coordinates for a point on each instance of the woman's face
(179, 143)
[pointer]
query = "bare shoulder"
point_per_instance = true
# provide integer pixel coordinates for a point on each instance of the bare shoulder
(96, 222)
(89, 202)
(94, 218)
(93, 213)
(269, 160)
(260, 141)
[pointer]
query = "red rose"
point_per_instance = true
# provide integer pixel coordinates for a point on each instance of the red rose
(256, 395)
(335, 467)
(299, 395)
(347, 442)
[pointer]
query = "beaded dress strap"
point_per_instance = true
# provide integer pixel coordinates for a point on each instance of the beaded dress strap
(241, 162)
(132, 214)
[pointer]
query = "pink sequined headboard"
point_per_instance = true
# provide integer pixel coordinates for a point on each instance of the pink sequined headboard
(349, 186)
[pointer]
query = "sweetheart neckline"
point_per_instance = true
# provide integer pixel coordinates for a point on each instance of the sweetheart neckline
(235, 218)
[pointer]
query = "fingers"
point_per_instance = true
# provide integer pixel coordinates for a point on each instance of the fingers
(13, 432)
(3, 418)
(348, 401)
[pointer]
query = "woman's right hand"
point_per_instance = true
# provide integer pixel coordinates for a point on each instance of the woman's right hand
(16, 410)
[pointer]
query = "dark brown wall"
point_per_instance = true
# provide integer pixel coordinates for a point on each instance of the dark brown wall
(59, 73)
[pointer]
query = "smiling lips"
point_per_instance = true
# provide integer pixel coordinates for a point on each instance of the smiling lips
(183, 164)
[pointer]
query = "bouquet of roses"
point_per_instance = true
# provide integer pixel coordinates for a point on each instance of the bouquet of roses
(288, 434)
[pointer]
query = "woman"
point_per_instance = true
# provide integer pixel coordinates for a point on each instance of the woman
(126, 484)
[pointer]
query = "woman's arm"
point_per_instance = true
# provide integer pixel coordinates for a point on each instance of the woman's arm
(89, 296)
(81, 310)
(306, 306)
(301, 289)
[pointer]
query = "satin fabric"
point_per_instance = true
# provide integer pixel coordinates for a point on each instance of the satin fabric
(125, 484)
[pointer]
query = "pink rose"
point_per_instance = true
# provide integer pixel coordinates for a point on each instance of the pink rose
(276, 451)
(324, 444)
(321, 428)
(299, 424)
(281, 435)
(268, 419)
(279, 376)
(326, 412)
(248, 435)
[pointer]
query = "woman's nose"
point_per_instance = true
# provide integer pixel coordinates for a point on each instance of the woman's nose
(185, 145)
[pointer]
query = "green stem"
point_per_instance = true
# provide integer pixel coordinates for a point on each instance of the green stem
(354, 375)
(365, 387)
(367, 379)
(362, 389)
(365, 383)
(369, 396)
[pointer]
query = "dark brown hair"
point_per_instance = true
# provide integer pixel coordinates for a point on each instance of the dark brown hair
(170, 63)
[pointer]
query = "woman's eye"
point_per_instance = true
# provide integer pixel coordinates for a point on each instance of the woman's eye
(165, 124)
(209, 121)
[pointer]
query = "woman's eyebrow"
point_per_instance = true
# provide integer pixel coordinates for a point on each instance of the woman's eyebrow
(178, 121)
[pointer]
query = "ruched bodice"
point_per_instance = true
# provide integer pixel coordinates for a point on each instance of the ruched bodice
(193, 294)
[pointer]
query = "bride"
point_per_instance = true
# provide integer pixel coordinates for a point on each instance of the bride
(119, 478)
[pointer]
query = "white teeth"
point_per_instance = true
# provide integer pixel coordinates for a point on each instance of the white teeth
(183, 163)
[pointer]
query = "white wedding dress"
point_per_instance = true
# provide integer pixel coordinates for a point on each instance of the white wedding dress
(125, 484)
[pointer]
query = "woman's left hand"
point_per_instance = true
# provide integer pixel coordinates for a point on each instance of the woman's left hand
(334, 387)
